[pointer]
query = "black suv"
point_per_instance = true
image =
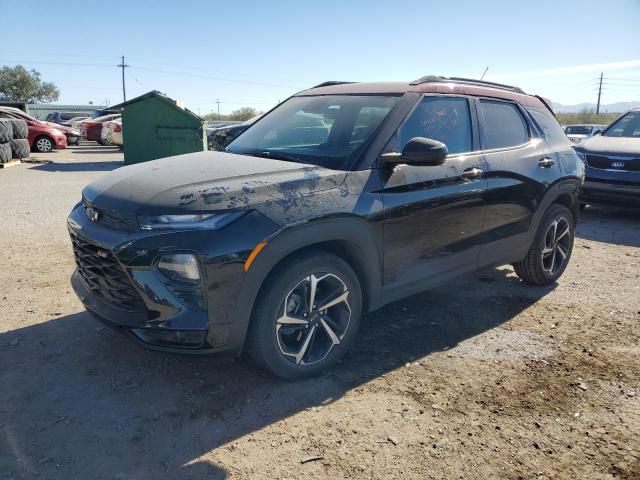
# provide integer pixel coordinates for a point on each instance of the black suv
(343, 198)
(612, 161)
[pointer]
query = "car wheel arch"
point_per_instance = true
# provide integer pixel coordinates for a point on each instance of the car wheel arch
(349, 238)
(35, 141)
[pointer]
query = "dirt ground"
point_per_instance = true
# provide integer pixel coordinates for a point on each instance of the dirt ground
(484, 378)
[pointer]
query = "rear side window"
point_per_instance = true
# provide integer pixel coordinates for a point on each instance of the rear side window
(444, 119)
(503, 125)
(551, 129)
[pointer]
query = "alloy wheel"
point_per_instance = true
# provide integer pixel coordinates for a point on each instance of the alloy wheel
(314, 318)
(557, 242)
(44, 145)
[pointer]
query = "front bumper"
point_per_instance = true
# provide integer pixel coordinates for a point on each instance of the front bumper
(163, 320)
(72, 139)
(60, 142)
(603, 192)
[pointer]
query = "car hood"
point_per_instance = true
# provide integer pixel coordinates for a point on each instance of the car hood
(206, 181)
(62, 128)
(611, 145)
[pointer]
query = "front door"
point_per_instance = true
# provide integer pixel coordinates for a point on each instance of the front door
(433, 214)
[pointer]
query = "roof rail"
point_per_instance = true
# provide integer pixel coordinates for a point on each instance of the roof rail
(466, 81)
(330, 83)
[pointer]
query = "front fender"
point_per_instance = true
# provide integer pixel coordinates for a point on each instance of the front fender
(360, 241)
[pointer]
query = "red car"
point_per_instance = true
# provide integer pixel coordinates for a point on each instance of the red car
(43, 137)
(91, 129)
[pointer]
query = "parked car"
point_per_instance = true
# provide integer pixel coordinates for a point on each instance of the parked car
(76, 123)
(69, 123)
(578, 133)
(280, 244)
(112, 132)
(43, 137)
(612, 162)
(62, 118)
(73, 135)
(92, 129)
(218, 138)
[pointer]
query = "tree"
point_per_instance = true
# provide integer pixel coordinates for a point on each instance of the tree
(17, 84)
(244, 113)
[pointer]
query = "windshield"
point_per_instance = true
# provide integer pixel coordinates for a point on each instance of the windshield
(626, 126)
(329, 131)
(578, 130)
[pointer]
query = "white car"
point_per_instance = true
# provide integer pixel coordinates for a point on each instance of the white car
(111, 133)
(578, 133)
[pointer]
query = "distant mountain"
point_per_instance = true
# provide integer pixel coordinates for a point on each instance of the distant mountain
(618, 107)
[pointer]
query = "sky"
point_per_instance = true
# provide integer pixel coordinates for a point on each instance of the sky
(257, 53)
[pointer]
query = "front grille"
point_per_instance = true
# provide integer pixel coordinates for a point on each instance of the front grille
(624, 164)
(124, 222)
(103, 275)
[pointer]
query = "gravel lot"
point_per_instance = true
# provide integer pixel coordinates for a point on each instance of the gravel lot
(484, 378)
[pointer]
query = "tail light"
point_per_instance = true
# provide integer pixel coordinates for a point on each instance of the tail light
(117, 128)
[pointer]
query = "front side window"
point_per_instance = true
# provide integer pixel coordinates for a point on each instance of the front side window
(626, 126)
(444, 119)
(328, 130)
(503, 125)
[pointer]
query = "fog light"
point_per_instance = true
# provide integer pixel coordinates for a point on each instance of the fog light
(181, 267)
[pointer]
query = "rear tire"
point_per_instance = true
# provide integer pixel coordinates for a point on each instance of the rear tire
(551, 249)
(43, 144)
(291, 335)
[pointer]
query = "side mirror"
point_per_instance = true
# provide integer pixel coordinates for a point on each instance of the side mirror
(597, 132)
(419, 151)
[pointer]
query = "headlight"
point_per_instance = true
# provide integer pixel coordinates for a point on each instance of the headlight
(56, 132)
(182, 267)
(582, 155)
(194, 221)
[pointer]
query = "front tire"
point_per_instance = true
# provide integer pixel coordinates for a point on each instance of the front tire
(306, 316)
(551, 249)
(43, 144)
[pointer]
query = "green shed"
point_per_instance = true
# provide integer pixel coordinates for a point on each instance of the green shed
(155, 126)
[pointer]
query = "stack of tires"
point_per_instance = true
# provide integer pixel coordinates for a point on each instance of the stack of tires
(13, 140)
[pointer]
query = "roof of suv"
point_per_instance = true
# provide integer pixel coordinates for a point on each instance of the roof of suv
(430, 84)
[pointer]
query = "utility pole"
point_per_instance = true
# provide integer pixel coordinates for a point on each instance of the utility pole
(599, 94)
(218, 102)
(123, 66)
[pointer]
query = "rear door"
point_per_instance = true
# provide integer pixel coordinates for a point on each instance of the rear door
(521, 167)
(433, 214)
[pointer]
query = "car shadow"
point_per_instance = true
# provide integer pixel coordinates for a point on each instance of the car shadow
(94, 150)
(610, 225)
(98, 400)
(78, 166)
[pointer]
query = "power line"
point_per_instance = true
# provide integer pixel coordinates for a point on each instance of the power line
(224, 79)
(66, 64)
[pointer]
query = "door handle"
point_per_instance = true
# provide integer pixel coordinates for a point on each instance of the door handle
(546, 162)
(471, 173)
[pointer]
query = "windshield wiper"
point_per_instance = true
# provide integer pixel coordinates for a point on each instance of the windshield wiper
(276, 156)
